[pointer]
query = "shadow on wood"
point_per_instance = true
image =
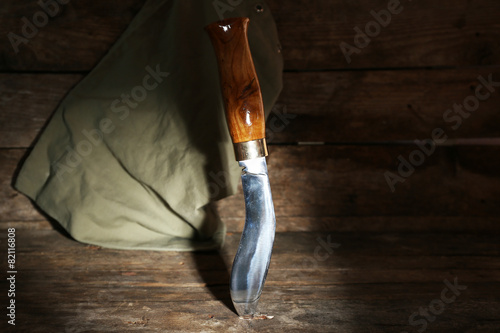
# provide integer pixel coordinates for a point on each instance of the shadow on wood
(215, 274)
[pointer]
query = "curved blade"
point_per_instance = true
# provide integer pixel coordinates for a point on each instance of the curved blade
(254, 252)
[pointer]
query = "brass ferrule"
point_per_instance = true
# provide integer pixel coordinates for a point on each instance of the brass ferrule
(250, 149)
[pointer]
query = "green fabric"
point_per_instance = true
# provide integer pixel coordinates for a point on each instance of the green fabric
(137, 151)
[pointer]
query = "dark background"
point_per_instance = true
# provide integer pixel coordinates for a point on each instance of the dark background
(348, 124)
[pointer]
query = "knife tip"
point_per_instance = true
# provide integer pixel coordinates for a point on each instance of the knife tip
(246, 309)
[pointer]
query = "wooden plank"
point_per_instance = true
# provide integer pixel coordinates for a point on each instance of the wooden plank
(362, 224)
(383, 278)
(454, 34)
(335, 181)
(13, 205)
(334, 224)
(81, 314)
(400, 251)
(75, 39)
(318, 182)
(364, 106)
(27, 101)
(368, 106)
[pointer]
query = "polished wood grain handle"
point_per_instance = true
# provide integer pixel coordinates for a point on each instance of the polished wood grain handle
(240, 85)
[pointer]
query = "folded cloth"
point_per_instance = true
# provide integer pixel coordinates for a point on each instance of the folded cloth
(137, 151)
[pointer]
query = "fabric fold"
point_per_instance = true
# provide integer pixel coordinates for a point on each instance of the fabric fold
(136, 153)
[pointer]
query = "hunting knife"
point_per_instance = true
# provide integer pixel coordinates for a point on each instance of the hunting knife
(246, 121)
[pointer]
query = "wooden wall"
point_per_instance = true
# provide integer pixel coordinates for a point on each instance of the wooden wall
(348, 121)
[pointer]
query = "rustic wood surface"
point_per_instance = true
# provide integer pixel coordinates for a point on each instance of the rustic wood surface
(346, 107)
(394, 249)
(370, 282)
(424, 34)
(345, 181)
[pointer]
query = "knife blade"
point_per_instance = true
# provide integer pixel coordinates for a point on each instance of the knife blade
(246, 122)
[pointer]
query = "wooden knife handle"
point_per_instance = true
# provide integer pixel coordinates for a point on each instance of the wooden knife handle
(239, 82)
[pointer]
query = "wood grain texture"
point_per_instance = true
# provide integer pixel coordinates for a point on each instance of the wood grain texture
(390, 252)
(13, 205)
(383, 278)
(75, 39)
(335, 181)
(314, 183)
(380, 106)
(26, 103)
(238, 79)
(364, 106)
(440, 224)
(424, 34)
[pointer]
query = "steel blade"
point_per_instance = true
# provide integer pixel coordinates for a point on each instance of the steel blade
(252, 259)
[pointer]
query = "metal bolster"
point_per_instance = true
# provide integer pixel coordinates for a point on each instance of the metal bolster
(250, 149)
